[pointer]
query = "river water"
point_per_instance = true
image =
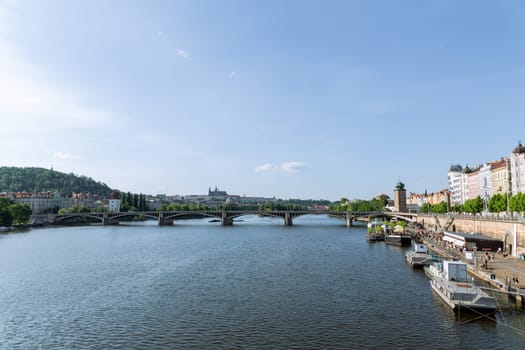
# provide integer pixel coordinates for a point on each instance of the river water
(255, 285)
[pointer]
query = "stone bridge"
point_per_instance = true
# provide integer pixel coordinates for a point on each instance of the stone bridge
(226, 217)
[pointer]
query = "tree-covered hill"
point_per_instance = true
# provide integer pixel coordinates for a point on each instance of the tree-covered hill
(39, 179)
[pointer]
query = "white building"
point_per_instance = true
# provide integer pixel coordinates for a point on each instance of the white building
(485, 181)
(517, 169)
(114, 205)
(455, 184)
(40, 202)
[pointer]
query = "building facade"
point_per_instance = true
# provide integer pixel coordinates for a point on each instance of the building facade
(485, 181)
(114, 205)
(473, 184)
(40, 202)
(455, 184)
(501, 176)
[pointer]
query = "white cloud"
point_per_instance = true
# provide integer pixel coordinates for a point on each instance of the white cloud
(286, 167)
(65, 156)
(293, 167)
(182, 53)
(160, 33)
(265, 168)
(232, 74)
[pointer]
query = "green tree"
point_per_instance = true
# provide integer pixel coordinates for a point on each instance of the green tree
(473, 206)
(439, 208)
(20, 212)
(517, 202)
(497, 203)
(135, 200)
(6, 218)
(426, 208)
(17, 179)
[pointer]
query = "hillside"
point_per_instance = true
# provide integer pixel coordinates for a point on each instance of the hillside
(39, 179)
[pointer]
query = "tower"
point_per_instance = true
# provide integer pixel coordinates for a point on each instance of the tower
(400, 198)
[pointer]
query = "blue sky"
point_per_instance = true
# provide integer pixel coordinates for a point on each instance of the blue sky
(293, 99)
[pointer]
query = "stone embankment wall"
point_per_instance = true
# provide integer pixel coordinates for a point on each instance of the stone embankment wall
(499, 229)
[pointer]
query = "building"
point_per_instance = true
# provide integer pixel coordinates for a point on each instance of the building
(456, 179)
(439, 197)
(216, 193)
(501, 176)
(40, 202)
(400, 198)
(485, 181)
(517, 169)
(114, 205)
(416, 200)
(471, 241)
(473, 184)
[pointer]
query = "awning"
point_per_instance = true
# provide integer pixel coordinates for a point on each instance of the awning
(457, 242)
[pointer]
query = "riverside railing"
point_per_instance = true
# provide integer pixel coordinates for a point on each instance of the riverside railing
(513, 217)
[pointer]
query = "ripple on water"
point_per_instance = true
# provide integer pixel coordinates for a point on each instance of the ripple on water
(201, 286)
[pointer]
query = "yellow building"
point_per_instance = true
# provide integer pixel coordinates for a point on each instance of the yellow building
(500, 177)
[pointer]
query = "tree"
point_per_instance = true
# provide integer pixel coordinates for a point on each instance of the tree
(135, 200)
(6, 218)
(20, 212)
(497, 203)
(517, 202)
(439, 208)
(473, 206)
(40, 179)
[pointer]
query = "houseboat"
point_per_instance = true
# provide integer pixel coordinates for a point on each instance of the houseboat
(451, 283)
(419, 256)
(376, 231)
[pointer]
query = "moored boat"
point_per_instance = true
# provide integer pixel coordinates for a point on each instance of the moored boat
(450, 281)
(398, 237)
(375, 231)
(419, 256)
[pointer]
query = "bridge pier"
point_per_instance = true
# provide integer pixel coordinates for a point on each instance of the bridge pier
(349, 220)
(225, 220)
(288, 220)
(163, 221)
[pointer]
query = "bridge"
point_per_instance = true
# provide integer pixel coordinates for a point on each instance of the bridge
(226, 217)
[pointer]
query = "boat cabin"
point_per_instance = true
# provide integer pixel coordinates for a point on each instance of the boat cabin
(420, 248)
(455, 271)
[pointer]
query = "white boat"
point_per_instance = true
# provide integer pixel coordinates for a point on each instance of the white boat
(419, 257)
(450, 281)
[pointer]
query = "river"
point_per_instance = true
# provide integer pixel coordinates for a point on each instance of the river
(254, 285)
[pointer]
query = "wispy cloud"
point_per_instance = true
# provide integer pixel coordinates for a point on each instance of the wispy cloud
(65, 156)
(232, 74)
(286, 167)
(265, 168)
(293, 167)
(183, 54)
(160, 33)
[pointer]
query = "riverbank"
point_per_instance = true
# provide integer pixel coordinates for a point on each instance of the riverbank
(505, 273)
(511, 231)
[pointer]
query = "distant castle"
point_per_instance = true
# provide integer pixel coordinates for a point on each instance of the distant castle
(216, 192)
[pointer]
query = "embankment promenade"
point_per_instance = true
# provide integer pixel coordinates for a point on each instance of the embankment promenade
(506, 273)
(491, 226)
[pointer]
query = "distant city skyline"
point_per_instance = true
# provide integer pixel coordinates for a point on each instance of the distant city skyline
(286, 99)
